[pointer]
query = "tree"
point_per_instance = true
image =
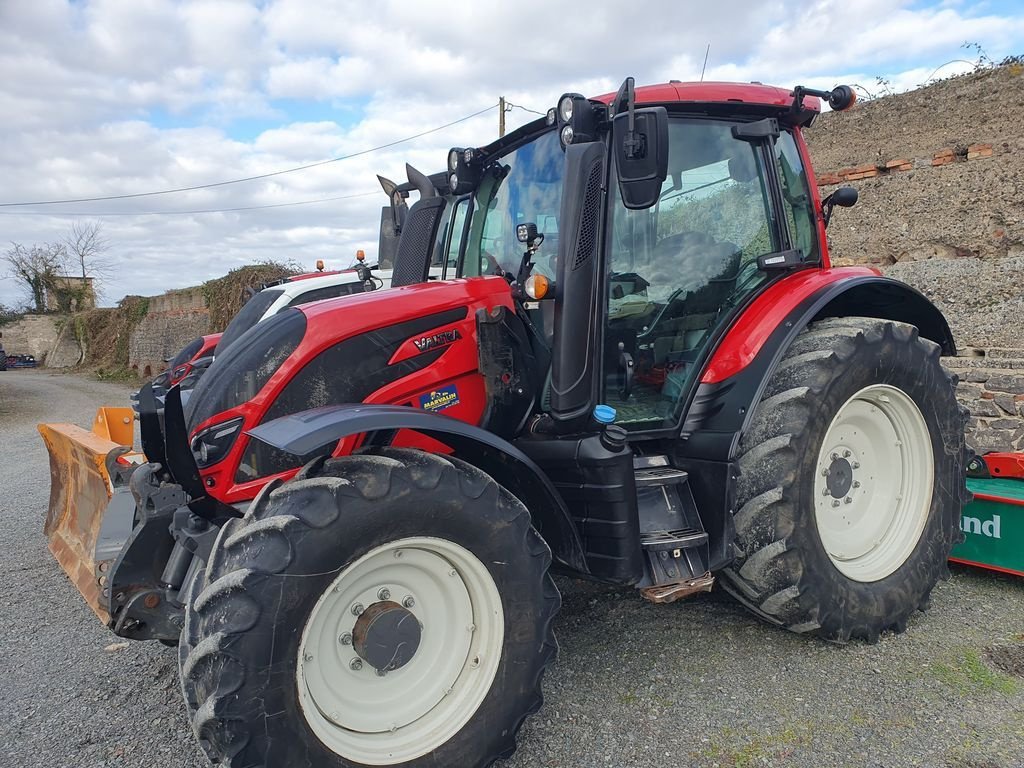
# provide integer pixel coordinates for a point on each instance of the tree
(38, 268)
(85, 247)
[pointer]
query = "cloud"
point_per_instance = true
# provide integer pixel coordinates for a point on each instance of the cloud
(110, 97)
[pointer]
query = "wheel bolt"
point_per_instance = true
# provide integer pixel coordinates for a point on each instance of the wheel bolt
(356, 664)
(384, 594)
(835, 502)
(381, 673)
(848, 500)
(847, 454)
(855, 465)
(824, 491)
(345, 639)
(824, 472)
(856, 483)
(357, 609)
(834, 456)
(408, 602)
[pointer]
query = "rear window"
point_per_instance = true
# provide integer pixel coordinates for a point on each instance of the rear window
(237, 375)
(187, 353)
(330, 292)
(248, 316)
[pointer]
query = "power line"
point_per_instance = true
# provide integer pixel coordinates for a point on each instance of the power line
(525, 109)
(257, 177)
(180, 213)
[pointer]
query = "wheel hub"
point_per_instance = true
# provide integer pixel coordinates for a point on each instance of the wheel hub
(386, 636)
(840, 478)
(872, 491)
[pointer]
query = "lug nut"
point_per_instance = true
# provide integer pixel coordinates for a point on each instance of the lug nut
(356, 664)
(824, 491)
(847, 454)
(855, 465)
(856, 483)
(384, 594)
(834, 455)
(835, 502)
(824, 472)
(357, 609)
(408, 602)
(848, 500)
(345, 639)
(381, 673)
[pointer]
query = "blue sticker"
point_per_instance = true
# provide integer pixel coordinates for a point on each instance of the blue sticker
(439, 399)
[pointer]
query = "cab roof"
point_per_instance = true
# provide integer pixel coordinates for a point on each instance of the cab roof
(712, 92)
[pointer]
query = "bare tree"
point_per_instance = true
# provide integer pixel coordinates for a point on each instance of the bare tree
(86, 246)
(38, 268)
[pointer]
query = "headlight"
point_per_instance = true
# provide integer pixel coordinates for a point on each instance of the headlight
(467, 155)
(213, 443)
(453, 182)
(453, 160)
(567, 134)
(551, 116)
(565, 109)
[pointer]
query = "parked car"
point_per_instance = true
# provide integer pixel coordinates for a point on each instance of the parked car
(20, 361)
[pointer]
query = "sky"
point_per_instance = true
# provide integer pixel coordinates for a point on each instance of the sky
(123, 97)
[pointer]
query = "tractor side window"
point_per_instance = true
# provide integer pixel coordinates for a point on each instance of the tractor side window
(678, 267)
(458, 225)
(798, 208)
(524, 186)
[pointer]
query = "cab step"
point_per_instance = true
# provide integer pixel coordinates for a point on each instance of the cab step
(672, 535)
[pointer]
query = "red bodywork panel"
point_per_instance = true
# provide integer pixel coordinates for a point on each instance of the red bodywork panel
(210, 342)
(335, 320)
(766, 313)
(1005, 464)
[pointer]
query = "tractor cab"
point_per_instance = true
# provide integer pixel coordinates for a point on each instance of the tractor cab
(727, 207)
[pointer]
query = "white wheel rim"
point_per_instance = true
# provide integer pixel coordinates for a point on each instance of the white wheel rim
(413, 710)
(873, 483)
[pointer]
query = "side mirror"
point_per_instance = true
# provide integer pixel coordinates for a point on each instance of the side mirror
(844, 197)
(640, 144)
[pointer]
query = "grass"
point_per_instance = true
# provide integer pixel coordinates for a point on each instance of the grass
(968, 674)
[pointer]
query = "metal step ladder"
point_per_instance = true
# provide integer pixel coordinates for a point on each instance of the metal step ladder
(673, 538)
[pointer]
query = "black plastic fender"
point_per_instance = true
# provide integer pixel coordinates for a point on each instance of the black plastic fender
(721, 412)
(302, 433)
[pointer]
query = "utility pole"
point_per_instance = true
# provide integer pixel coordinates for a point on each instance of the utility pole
(501, 116)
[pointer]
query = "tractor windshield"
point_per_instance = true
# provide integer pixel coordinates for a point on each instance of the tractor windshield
(525, 186)
(676, 269)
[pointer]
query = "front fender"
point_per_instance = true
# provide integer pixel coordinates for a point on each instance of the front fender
(303, 433)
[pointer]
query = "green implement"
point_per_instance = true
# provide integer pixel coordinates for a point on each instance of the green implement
(993, 524)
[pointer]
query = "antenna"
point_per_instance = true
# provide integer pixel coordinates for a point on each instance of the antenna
(706, 52)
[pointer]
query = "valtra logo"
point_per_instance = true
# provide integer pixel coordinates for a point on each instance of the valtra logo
(442, 339)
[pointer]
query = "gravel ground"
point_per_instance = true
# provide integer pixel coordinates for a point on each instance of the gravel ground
(698, 683)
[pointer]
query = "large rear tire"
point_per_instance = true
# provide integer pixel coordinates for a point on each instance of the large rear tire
(851, 482)
(382, 609)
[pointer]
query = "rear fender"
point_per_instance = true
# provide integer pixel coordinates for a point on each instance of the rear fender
(303, 433)
(722, 407)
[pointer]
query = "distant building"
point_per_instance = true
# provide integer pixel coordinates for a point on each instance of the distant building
(71, 294)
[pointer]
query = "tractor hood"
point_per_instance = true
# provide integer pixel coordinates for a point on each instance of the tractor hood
(413, 346)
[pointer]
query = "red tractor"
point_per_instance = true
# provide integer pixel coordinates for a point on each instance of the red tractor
(639, 369)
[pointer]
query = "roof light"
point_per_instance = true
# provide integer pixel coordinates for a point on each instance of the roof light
(565, 108)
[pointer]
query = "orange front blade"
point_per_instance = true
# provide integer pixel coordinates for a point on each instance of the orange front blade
(80, 491)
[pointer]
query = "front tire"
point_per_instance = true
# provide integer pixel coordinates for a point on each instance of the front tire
(381, 609)
(851, 482)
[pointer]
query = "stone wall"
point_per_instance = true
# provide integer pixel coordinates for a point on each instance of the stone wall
(172, 320)
(940, 173)
(33, 335)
